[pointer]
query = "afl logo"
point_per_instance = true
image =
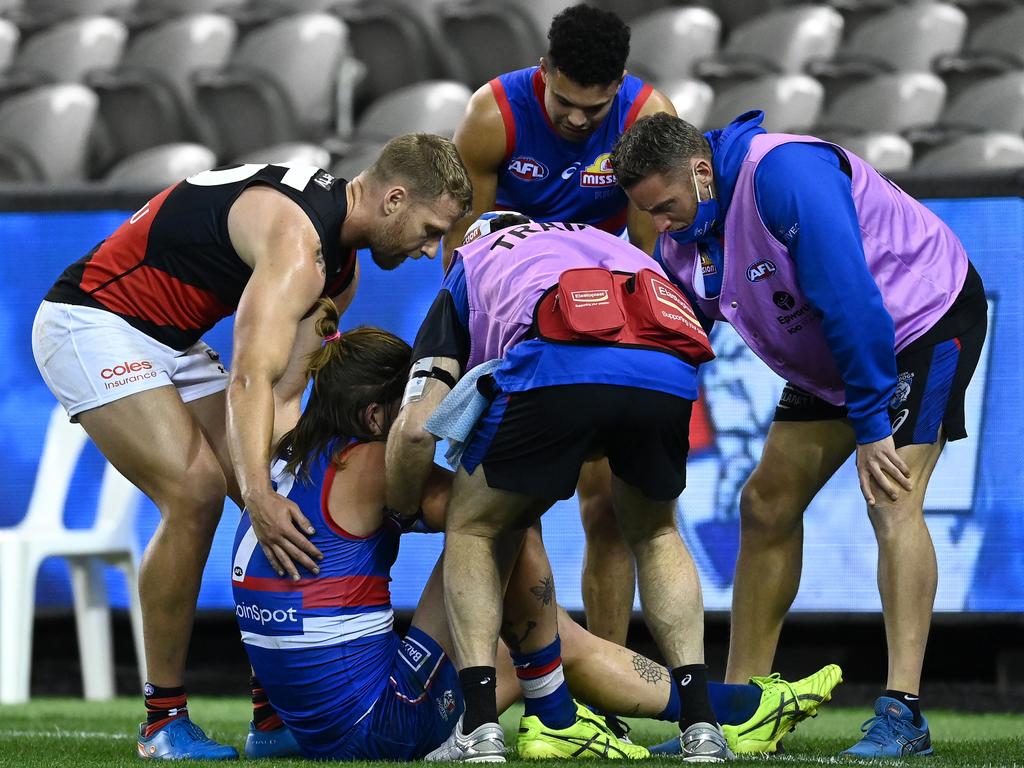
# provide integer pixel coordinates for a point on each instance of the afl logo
(527, 169)
(760, 270)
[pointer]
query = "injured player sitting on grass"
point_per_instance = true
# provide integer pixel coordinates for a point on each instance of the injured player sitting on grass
(346, 686)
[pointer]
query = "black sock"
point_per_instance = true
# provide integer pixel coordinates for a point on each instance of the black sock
(162, 706)
(694, 705)
(479, 691)
(910, 700)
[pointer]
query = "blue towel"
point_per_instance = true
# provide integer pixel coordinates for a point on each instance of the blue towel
(453, 420)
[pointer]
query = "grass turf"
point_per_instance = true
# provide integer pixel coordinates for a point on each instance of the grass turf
(70, 732)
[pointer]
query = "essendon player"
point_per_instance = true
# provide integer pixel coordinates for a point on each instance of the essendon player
(118, 341)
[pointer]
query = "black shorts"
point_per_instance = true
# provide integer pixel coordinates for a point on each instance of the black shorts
(535, 442)
(931, 387)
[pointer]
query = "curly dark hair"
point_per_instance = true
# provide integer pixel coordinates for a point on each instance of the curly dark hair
(587, 45)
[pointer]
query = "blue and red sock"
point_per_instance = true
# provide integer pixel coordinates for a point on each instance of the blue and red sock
(545, 692)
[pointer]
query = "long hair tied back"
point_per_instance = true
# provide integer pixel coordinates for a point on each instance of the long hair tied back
(350, 371)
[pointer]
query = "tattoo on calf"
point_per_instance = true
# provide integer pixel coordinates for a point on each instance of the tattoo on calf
(318, 259)
(649, 671)
(546, 591)
(515, 644)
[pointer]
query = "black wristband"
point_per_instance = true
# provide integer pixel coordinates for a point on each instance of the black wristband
(436, 373)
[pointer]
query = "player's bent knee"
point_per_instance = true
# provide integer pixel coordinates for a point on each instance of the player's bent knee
(891, 518)
(196, 502)
(766, 509)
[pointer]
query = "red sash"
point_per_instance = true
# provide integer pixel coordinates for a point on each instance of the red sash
(595, 306)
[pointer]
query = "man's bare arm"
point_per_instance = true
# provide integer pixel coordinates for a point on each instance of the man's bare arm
(290, 387)
(639, 223)
(276, 238)
(480, 139)
(410, 453)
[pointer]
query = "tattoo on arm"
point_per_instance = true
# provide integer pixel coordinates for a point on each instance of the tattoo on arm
(649, 671)
(546, 591)
(515, 644)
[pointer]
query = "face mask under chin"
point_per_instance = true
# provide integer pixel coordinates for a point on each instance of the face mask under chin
(703, 221)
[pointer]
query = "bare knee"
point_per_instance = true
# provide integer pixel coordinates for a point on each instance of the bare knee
(891, 519)
(768, 508)
(194, 503)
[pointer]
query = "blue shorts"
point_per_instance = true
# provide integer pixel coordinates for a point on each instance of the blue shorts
(416, 711)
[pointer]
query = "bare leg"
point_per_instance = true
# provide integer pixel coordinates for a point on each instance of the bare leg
(666, 575)
(609, 572)
(798, 459)
(478, 517)
(907, 571)
(609, 677)
(155, 442)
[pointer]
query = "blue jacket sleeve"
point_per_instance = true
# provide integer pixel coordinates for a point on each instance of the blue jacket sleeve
(805, 200)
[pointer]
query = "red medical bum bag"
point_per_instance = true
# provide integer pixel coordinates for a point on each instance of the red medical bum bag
(593, 305)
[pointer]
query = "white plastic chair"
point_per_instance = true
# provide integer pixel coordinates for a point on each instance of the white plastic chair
(42, 534)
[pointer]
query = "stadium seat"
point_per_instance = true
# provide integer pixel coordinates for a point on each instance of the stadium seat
(301, 55)
(290, 154)
(888, 103)
(540, 12)
(181, 7)
(67, 52)
(692, 99)
(378, 28)
(357, 161)
(154, 85)
(485, 38)
(63, 9)
(906, 39)
(432, 107)
(994, 47)
(791, 103)
(978, 152)
(9, 36)
(159, 167)
(993, 104)
(176, 50)
(42, 534)
(886, 152)
(780, 41)
(665, 44)
(49, 126)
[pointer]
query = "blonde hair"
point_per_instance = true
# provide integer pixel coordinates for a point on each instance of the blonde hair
(350, 371)
(430, 165)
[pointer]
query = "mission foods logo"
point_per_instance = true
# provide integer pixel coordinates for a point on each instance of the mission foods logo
(527, 169)
(599, 173)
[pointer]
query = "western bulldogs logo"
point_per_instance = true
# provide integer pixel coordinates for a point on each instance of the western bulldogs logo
(902, 391)
(446, 704)
(761, 270)
(528, 169)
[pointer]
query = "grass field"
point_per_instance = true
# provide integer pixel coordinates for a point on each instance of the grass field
(70, 732)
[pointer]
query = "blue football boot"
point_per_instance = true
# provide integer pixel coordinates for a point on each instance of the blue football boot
(276, 743)
(181, 739)
(892, 733)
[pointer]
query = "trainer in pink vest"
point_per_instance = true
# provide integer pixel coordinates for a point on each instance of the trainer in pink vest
(504, 287)
(918, 264)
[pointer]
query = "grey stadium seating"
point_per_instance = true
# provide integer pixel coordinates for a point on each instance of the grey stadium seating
(47, 129)
(977, 152)
(780, 41)
(160, 167)
(665, 44)
(791, 103)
